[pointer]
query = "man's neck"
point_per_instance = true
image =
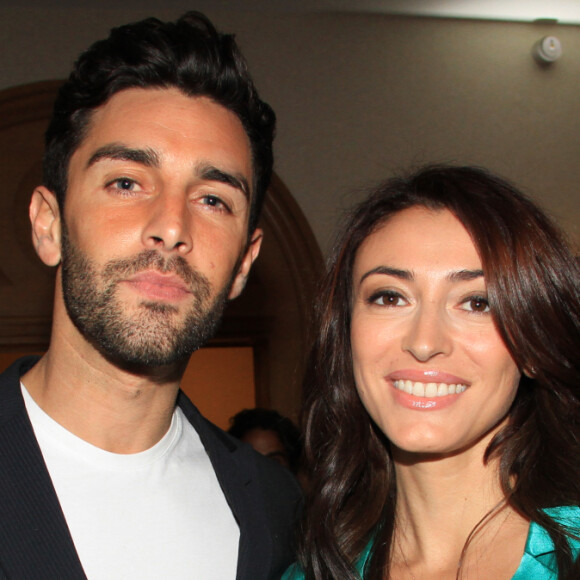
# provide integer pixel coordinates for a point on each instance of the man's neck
(111, 408)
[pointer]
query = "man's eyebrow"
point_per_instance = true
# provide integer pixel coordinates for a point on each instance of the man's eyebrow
(387, 271)
(212, 173)
(146, 157)
(150, 158)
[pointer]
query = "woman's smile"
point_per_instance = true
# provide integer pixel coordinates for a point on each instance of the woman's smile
(429, 364)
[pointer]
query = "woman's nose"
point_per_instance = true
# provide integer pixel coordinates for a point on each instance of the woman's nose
(428, 333)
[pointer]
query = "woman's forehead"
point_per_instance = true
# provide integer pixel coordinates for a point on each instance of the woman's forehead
(422, 237)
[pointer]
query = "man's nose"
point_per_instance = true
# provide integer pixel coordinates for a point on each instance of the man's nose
(168, 225)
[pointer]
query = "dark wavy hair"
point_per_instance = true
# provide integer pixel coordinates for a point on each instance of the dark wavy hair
(533, 283)
(189, 54)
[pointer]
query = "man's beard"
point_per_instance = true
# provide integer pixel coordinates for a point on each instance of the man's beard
(150, 337)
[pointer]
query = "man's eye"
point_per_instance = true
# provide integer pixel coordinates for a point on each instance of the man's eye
(387, 298)
(125, 183)
(476, 304)
(122, 184)
(214, 201)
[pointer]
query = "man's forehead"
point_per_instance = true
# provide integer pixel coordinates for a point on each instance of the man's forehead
(157, 102)
(140, 119)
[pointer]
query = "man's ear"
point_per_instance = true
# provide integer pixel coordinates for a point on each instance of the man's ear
(45, 220)
(244, 269)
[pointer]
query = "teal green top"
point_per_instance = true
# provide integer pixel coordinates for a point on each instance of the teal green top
(538, 562)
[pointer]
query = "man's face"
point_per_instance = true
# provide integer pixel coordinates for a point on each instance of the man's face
(155, 225)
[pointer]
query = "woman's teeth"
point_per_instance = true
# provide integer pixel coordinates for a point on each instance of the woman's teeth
(428, 389)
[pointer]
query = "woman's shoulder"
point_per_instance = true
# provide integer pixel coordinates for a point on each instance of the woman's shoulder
(293, 573)
(568, 517)
(539, 559)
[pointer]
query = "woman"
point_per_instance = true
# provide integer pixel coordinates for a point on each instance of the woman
(442, 399)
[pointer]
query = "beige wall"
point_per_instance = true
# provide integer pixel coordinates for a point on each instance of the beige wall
(361, 96)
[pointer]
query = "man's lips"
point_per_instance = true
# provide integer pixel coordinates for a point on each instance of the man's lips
(156, 285)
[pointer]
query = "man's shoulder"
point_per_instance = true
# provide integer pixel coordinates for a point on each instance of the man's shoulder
(263, 495)
(11, 400)
(19, 367)
(271, 475)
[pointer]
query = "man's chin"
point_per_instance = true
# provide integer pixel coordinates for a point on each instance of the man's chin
(159, 307)
(157, 339)
(146, 359)
(160, 369)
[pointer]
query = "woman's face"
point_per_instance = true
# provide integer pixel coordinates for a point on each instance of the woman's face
(429, 364)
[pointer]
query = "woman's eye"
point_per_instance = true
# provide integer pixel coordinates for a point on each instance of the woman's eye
(384, 298)
(476, 304)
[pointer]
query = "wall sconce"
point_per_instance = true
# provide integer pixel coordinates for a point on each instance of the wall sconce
(547, 50)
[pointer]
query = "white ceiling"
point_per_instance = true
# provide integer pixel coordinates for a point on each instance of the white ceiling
(564, 11)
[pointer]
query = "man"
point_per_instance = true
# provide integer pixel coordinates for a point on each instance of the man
(157, 159)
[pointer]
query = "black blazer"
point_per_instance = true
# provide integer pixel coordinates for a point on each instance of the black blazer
(35, 543)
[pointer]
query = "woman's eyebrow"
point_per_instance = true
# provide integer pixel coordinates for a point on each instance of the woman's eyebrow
(388, 271)
(457, 276)
(465, 275)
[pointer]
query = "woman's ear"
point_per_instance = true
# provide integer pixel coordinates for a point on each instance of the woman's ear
(244, 269)
(45, 220)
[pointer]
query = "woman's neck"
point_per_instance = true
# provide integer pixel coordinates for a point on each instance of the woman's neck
(441, 503)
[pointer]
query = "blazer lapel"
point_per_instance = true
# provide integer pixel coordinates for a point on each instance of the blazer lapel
(34, 538)
(235, 470)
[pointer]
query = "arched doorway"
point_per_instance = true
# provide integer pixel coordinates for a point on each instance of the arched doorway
(268, 322)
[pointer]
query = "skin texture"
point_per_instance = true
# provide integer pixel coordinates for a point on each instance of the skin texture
(160, 184)
(419, 312)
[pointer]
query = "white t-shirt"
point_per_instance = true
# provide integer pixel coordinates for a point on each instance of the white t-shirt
(151, 515)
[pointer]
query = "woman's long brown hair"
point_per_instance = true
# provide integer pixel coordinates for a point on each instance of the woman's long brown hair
(533, 284)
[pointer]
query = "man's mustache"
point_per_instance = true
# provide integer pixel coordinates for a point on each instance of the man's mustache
(196, 282)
